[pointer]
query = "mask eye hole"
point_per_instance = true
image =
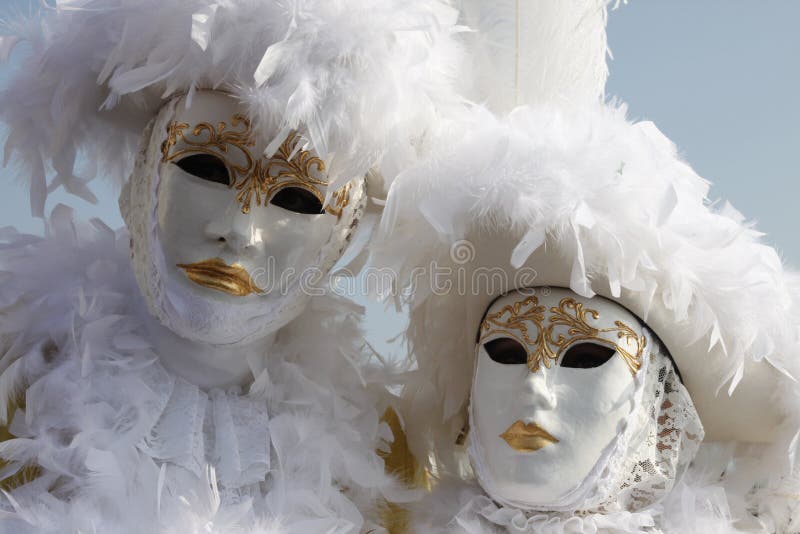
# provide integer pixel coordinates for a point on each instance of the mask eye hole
(506, 350)
(298, 200)
(587, 356)
(206, 167)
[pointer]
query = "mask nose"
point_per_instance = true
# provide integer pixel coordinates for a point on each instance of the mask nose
(540, 390)
(235, 230)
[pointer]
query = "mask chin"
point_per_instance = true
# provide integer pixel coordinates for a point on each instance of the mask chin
(198, 313)
(194, 317)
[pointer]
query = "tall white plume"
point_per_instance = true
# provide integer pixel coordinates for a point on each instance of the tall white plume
(529, 51)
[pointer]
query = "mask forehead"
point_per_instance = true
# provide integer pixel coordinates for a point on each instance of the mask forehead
(548, 321)
(208, 107)
(215, 124)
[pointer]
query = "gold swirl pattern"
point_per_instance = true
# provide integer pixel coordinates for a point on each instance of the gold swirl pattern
(257, 180)
(219, 138)
(573, 322)
(340, 199)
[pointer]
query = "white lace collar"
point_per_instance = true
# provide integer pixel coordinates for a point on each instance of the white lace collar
(698, 504)
(457, 506)
(222, 428)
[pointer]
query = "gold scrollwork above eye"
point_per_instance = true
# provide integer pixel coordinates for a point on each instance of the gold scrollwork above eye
(291, 166)
(205, 138)
(572, 322)
(255, 180)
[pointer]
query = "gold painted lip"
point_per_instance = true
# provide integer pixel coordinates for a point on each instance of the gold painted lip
(216, 274)
(528, 437)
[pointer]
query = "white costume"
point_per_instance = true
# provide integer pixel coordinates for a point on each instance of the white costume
(195, 372)
(501, 245)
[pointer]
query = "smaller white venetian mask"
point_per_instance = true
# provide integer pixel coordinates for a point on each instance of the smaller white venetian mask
(554, 383)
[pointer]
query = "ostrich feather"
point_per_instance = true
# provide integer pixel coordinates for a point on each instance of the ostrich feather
(7, 44)
(527, 51)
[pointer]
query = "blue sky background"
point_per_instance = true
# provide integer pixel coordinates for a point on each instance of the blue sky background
(721, 78)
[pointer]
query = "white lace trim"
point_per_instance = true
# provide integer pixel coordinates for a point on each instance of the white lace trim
(699, 503)
(512, 520)
(221, 428)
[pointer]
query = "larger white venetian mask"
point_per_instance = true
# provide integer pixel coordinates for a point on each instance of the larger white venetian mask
(229, 239)
(575, 406)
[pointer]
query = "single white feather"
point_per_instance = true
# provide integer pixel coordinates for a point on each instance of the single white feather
(7, 45)
(528, 51)
(202, 22)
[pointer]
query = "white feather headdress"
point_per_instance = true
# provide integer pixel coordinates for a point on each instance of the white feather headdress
(567, 192)
(586, 200)
(359, 77)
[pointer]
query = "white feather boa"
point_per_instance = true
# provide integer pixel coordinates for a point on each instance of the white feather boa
(116, 436)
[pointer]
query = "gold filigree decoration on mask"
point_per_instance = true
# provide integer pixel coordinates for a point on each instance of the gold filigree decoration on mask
(258, 179)
(220, 138)
(291, 166)
(513, 320)
(339, 201)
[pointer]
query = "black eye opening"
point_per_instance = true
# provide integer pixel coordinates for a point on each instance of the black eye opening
(506, 350)
(587, 356)
(298, 200)
(206, 167)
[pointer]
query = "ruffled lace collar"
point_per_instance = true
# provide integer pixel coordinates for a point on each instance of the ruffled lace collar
(193, 428)
(480, 509)
(463, 507)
